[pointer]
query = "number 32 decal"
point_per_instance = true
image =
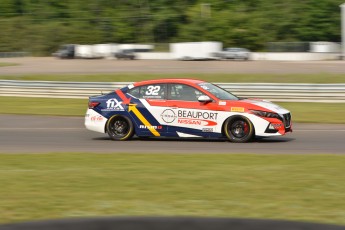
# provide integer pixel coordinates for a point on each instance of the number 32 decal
(152, 90)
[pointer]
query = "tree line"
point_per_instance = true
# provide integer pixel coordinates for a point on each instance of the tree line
(40, 26)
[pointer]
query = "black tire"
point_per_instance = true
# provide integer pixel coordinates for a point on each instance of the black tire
(120, 128)
(238, 129)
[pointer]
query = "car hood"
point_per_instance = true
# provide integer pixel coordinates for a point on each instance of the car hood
(267, 105)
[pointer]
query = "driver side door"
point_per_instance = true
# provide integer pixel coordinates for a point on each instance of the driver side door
(186, 114)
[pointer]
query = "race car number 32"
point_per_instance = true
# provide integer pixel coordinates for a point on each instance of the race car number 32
(152, 90)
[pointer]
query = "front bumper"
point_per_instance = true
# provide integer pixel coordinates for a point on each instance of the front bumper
(280, 126)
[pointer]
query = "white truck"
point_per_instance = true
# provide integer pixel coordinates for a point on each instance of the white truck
(195, 50)
(86, 51)
(99, 50)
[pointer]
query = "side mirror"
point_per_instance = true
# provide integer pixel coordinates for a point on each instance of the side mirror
(204, 99)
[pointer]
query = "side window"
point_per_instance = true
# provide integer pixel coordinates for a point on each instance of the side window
(135, 92)
(183, 92)
(155, 91)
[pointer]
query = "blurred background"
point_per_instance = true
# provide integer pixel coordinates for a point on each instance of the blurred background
(287, 51)
(40, 27)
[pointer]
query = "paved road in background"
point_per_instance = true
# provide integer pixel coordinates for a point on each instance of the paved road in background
(50, 65)
(42, 134)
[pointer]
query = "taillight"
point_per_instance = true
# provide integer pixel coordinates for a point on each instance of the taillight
(93, 104)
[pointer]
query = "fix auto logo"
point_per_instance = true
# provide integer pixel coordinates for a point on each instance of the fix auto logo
(113, 105)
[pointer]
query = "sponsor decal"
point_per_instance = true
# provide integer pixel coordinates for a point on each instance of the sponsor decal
(152, 97)
(237, 109)
(150, 127)
(113, 105)
(189, 117)
(196, 118)
(206, 130)
(197, 114)
(97, 118)
(222, 103)
(189, 121)
(168, 116)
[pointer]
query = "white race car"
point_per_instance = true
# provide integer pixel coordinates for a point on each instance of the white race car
(184, 108)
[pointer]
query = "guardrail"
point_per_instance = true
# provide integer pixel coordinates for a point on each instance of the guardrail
(334, 93)
(14, 54)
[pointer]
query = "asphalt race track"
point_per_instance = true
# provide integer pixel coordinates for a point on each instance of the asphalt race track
(44, 134)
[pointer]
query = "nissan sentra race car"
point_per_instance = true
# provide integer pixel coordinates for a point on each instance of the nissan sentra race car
(183, 108)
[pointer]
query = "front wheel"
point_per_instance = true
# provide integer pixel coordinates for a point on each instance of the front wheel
(120, 128)
(239, 129)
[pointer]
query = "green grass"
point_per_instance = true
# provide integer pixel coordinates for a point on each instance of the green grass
(3, 64)
(132, 77)
(316, 112)
(293, 187)
(43, 106)
(301, 112)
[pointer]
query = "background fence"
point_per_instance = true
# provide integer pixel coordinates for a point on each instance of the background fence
(334, 93)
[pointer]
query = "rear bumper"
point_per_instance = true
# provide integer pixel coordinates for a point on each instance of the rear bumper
(95, 121)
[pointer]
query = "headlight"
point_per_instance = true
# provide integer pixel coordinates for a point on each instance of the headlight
(265, 114)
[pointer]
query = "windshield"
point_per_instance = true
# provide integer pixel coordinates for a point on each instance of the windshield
(217, 91)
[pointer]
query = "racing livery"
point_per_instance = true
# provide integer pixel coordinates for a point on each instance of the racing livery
(184, 108)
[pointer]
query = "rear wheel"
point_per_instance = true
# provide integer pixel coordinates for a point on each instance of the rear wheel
(120, 128)
(239, 129)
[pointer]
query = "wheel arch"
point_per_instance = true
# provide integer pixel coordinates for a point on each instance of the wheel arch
(122, 115)
(234, 117)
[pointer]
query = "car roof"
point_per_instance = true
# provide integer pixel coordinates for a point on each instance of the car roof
(169, 80)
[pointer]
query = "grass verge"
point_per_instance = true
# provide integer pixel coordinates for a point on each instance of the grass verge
(43, 106)
(3, 64)
(301, 112)
(235, 78)
(316, 112)
(293, 187)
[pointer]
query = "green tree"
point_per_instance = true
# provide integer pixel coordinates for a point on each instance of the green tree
(40, 26)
